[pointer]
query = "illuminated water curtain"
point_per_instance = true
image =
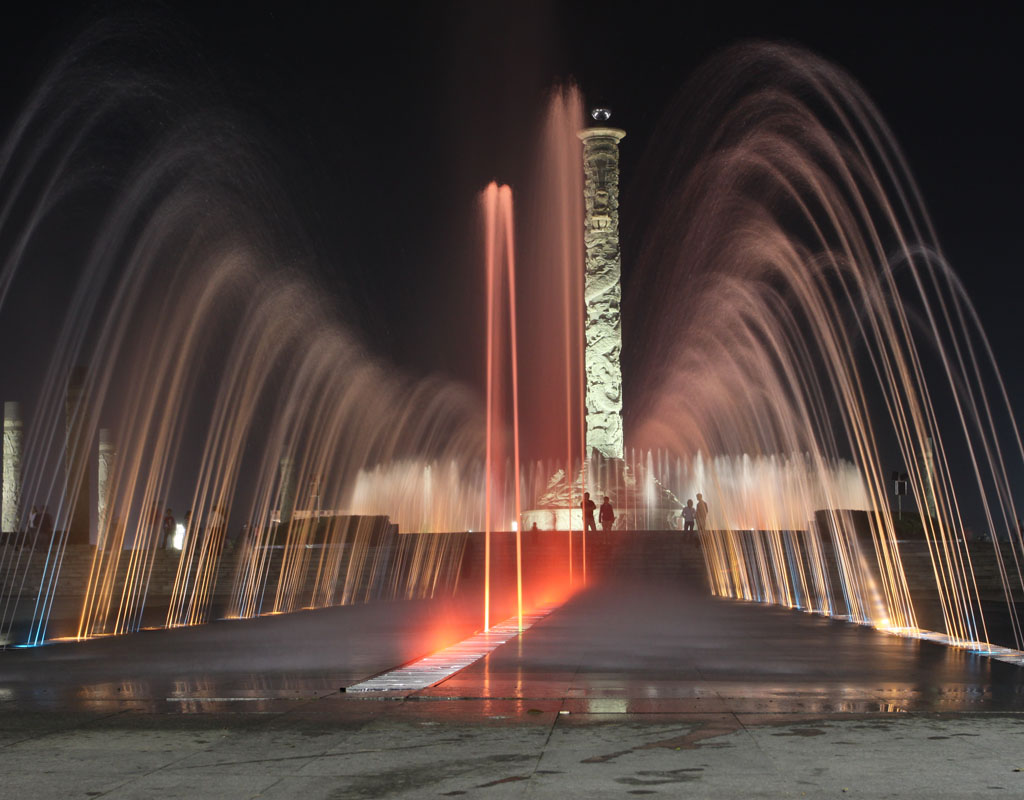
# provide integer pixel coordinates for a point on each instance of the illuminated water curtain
(791, 329)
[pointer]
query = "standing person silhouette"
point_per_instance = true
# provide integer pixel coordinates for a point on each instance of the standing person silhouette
(702, 513)
(607, 515)
(689, 514)
(169, 523)
(588, 507)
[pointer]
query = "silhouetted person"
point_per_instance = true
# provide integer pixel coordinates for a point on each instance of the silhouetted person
(689, 516)
(169, 523)
(45, 523)
(607, 515)
(588, 506)
(702, 513)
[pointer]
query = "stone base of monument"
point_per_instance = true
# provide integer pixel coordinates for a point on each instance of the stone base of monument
(626, 519)
(639, 504)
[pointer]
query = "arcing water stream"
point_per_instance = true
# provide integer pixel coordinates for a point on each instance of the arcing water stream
(816, 319)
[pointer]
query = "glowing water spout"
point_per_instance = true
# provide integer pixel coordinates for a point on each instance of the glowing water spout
(500, 266)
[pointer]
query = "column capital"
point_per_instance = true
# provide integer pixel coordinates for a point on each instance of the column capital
(588, 134)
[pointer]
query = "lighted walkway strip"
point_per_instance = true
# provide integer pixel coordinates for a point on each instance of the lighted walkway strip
(445, 663)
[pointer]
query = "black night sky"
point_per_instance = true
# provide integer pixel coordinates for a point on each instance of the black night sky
(385, 120)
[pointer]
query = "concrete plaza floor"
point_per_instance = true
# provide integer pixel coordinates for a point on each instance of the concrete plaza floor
(640, 688)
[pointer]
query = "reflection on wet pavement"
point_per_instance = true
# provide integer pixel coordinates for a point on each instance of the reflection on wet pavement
(623, 690)
(642, 649)
(269, 664)
(623, 649)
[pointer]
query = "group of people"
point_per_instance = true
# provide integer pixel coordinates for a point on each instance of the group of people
(694, 514)
(607, 515)
(688, 517)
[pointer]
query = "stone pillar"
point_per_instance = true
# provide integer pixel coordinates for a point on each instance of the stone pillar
(287, 490)
(76, 459)
(603, 290)
(928, 479)
(104, 471)
(11, 515)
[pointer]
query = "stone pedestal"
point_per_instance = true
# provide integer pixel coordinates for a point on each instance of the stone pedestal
(636, 508)
(928, 479)
(11, 515)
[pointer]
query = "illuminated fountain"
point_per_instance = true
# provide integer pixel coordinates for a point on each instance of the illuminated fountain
(816, 318)
(791, 329)
(212, 358)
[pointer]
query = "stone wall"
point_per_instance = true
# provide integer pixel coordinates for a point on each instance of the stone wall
(384, 570)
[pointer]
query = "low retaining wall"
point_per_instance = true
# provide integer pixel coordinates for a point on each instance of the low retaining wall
(385, 565)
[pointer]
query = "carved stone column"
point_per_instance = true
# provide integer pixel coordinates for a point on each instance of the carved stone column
(603, 291)
(76, 459)
(105, 469)
(11, 514)
(287, 504)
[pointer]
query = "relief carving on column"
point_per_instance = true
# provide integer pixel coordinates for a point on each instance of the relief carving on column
(12, 468)
(603, 291)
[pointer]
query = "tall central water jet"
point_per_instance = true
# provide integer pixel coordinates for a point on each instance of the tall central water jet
(500, 265)
(594, 314)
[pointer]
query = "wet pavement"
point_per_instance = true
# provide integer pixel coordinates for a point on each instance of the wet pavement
(628, 689)
(640, 648)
